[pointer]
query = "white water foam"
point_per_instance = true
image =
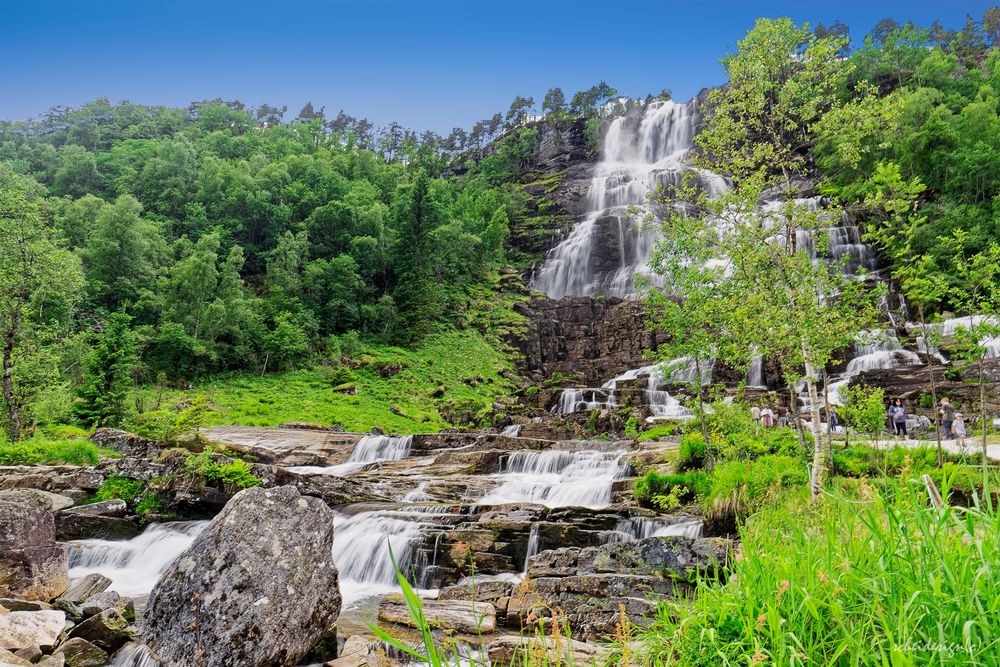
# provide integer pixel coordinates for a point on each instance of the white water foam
(557, 478)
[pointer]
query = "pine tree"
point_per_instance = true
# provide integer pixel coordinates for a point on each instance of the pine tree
(108, 376)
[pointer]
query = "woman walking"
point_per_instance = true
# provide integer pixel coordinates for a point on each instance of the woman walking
(897, 414)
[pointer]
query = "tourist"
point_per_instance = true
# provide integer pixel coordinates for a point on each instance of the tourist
(897, 415)
(834, 418)
(782, 416)
(947, 412)
(767, 416)
(755, 413)
(958, 429)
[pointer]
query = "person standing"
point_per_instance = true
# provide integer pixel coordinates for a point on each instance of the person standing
(834, 418)
(767, 416)
(947, 413)
(782, 416)
(958, 429)
(755, 413)
(897, 414)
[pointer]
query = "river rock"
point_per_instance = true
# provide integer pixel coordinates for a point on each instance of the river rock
(56, 660)
(90, 585)
(508, 651)
(95, 604)
(459, 615)
(14, 604)
(32, 565)
(8, 658)
(59, 479)
(36, 498)
(125, 443)
(23, 629)
(31, 653)
(81, 653)
(104, 520)
(107, 630)
(257, 587)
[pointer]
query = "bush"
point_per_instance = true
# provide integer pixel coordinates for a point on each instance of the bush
(231, 472)
(692, 451)
(631, 429)
(654, 484)
(117, 487)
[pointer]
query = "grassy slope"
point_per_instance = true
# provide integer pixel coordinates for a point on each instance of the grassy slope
(461, 367)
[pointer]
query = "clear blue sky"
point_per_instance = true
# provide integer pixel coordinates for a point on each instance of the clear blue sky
(429, 65)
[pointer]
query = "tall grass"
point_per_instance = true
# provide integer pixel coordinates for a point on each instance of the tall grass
(882, 578)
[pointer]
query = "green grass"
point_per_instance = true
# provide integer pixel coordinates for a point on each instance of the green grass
(864, 579)
(53, 451)
(449, 374)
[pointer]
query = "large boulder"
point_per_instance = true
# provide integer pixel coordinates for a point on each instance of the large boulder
(257, 587)
(35, 498)
(81, 653)
(32, 565)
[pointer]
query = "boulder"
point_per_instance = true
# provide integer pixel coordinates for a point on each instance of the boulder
(81, 653)
(463, 616)
(107, 630)
(24, 629)
(13, 604)
(32, 565)
(90, 585)
(59, 479)
(8, 658)
(104, 520)
(57, 660)
(125, 443)
(31, 653)
(95, 604)
(508, 651)
(36, 498)
(257, 587)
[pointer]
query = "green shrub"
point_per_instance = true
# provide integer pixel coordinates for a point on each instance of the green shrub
(116, 486)
(232, 472)
(692, 451)
(631, 429)
(653, 484)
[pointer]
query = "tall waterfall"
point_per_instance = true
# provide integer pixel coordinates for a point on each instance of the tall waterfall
(604, 251)
(559, 478)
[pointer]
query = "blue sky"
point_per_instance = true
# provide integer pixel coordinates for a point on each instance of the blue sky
(428, 65)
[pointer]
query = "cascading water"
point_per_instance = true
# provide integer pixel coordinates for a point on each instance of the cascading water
(370, 449)
(610, 245)
(134, 565)
(533, 546)
(661, 404)
(558, 478)
(637, 528)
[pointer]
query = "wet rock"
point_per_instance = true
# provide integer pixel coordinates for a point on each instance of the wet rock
(331, 489)
(508, 651)
(24, 629)
(680, 557)
(90, 585)
(73, 525)
(32, 565)
(107, 630)
(459, 615)
(81, 653)
(358, 652)
(257, 586)
(36, 498)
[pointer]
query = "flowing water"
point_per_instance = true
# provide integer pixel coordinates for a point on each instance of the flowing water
(610, 245)
(557, 478)
(370, 449)
(637, 528)
(134, 565)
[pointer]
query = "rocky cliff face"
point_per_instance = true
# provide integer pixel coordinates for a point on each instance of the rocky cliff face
(591, 339)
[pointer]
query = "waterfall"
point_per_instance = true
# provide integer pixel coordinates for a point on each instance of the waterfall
(134, 655)
(370, 449)
(755, 375)
(610, 245)
(533, 546)
(558, 478)
(661, 404)
(134, 565)
(512, 431)
(640, 527)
